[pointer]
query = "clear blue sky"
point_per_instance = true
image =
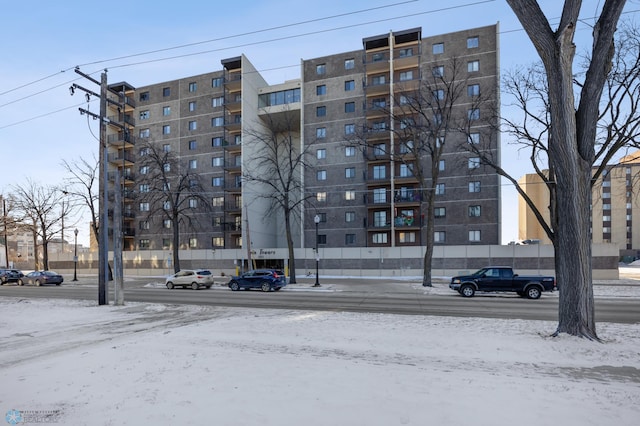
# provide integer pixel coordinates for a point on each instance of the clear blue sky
(42, 41)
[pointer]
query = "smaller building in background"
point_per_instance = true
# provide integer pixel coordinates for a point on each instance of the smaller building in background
(615, 205)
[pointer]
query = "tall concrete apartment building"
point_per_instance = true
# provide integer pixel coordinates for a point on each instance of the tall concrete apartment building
(362, 200)
(615, 204)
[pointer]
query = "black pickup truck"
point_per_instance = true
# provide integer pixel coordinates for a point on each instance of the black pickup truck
(502, 278)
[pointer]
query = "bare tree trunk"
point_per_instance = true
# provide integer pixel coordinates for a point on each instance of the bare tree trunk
(292, 258)
(429, 243)
(176, 244)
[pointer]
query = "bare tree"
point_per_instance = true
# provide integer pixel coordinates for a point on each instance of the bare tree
(173, 191)
(81, 188)
(278, 168)
(572, 133)
(427, 123)
(42, 210)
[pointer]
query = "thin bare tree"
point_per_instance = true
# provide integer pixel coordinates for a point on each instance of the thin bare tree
(278, 169)
(173, 191)
(81, 187)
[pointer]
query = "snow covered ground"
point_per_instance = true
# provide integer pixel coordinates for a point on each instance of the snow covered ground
(74, 363)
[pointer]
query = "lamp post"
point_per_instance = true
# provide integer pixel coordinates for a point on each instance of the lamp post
(75, 256)
(316, 219)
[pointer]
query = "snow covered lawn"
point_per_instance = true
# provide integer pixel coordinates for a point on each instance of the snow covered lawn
(149, 364)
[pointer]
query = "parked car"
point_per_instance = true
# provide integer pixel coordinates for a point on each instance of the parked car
(264, 279)
(502, 278)
(194, 278)
(10, 275)
(41, 277)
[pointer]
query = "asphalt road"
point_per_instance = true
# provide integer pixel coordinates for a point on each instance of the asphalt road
(353, 296)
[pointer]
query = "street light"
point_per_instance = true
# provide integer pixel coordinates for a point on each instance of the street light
(75, 256)
(316, 219)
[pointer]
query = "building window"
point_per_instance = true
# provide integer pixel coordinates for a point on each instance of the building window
(379, 150)
(192, 106)
(379, 195)
(321, 132)
(193, 164)
(166, 243)
(321, 90)
(403, 53)
(193, 145)
(217, 102)
(439, 237)
(438, 71)
(321, 197)
(321, 175)
(350, 195)
(217, 242)
(144, 207)
(473, 42)
(144, 96)
(166, 224)
(216, 82)
(474, 236)
(144, 170)
(349, 64)
(193, 87)
(144, 243)
(166, 167)
(217, 162)
(440, 212)
(217, 181)
(349, 239)
(349, 129)
(380, 219)
(144, 187)
(441, 165)
(193, 125)
(144, 115)
(321, 153)
(193, 203)
(474, 138)
(321, 111)
(166, 205)
(378, 80)
(166, 91)
(474, 211)
(438, 48)
(349, 172)
(216, 141)
(406, 170)
(349, 85)
(166, 130)
(350, 151)
(474, 186)
(193, 242)
(217, 122)
(321, 69)
(473, 66)
(143, 224)
(474, 162)
(380, 172)
(144, 133)
(438, 94)
(379, 238)
(217, 201)
(473, 114)
(406, 147)
(350, 217)
(406, 75)
(166, 147)
(349, 107)
(440, 189)
(473, 90)
(406, 237)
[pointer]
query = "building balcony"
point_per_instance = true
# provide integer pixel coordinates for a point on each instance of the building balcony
(122, 158)
(233, 81)
(121, 140)
(377, 89)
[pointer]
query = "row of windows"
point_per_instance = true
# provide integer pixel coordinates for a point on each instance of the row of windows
(193, 125)
(193, 87)
(436, 49)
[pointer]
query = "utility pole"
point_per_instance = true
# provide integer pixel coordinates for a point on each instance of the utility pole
(103, 240)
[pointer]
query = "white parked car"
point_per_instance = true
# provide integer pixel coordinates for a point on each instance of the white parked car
(194, 278)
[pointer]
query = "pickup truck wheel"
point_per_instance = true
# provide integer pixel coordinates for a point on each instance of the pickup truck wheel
(467, 290)
(534, 292)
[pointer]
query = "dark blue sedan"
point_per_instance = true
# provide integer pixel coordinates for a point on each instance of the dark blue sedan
(264, 279)
(41, 277)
